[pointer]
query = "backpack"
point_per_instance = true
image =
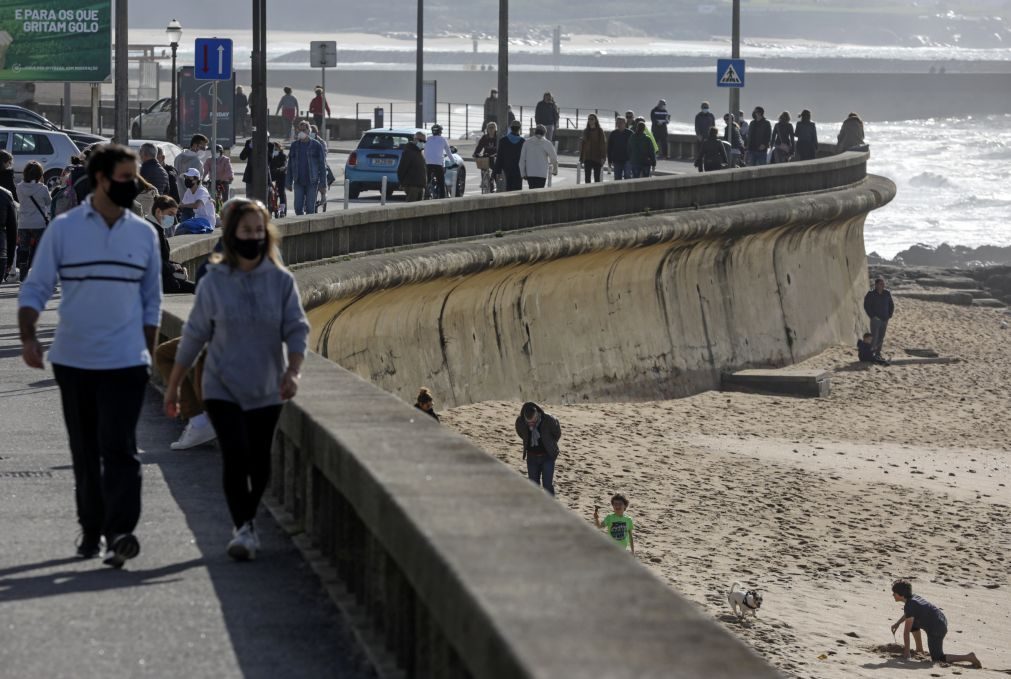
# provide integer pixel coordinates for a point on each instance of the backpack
(64, 199)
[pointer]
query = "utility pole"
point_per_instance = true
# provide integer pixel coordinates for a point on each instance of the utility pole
(419, 71)
(735, 92)
(121, 121)
(260, 155)
(503, 67)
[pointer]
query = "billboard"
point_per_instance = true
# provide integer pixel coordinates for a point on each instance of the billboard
(55, 40)
(196, 104)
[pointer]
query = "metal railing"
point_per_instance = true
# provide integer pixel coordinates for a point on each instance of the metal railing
(463, 121)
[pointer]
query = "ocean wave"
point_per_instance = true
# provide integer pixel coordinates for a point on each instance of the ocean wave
(971, 201)
(931, 180)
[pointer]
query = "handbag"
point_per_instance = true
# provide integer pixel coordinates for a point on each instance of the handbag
(41, 211)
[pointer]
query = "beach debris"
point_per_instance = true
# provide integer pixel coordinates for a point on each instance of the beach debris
(922, 353)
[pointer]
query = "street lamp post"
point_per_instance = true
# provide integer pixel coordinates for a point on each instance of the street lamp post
(419, 71)
(175, 34)
(735, 38)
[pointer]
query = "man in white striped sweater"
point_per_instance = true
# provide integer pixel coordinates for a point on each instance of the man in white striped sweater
(108, 263)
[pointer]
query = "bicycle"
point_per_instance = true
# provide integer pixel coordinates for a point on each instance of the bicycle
(432, 188)
(490, 182)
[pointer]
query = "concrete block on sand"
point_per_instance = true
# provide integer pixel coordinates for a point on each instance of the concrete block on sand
(788, 382)
(955, 282)
(923, 353)
(989, 303)
(946, 297)
(923, 360)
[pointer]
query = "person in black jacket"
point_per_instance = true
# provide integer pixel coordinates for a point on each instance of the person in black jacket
(151, 170)
(713, 153)
(8, 232)
(426, 404)
(659, 119)
(879, 307)
(759, 138)
(617, 149)
(546, 114)
(507, 162)
(540, 433)
(412, 173)
(7, 173)
(278, 170)
(162, 218)
(807, 137)
(170, 170)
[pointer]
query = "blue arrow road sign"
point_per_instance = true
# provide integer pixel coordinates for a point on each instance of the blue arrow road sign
(213, 59)
(730, 73)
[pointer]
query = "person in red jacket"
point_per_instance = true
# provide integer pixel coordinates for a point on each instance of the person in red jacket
(317, 106)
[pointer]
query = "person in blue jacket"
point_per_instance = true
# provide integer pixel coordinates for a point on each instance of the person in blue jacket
(306, 170)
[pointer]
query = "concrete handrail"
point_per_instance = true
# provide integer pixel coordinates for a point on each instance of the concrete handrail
(465, 569)
(335, 234)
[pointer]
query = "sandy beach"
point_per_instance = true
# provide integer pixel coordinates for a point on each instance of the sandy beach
(819, 503)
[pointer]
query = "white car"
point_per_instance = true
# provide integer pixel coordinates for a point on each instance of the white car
(168, 148)
(52, 149)
(154, 122)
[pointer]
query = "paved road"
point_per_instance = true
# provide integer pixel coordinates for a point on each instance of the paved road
(338, 157)
(182, 608)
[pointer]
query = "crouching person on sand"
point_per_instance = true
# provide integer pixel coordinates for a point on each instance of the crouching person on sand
(540, 433)
(919, 614)
(246, 307)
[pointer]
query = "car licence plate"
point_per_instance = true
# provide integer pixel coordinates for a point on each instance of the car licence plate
(383, 161)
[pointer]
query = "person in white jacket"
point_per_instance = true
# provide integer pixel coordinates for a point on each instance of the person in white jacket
(537, 156)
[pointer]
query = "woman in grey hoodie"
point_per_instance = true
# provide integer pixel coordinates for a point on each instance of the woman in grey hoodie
(247, 306)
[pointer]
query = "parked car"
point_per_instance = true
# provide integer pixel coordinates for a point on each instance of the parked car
(378, 155)
(168, 148)
(52, 149)
(154, 122)
(36, 120)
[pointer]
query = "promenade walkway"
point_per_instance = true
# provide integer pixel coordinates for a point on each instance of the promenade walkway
(182, 608)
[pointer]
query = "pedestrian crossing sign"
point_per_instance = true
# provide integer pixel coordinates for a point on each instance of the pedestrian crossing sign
(730, 73)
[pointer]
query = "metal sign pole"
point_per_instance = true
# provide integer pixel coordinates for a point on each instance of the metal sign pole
(214, 139)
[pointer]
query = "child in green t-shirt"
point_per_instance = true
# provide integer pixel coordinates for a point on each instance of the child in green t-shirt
(618, 524)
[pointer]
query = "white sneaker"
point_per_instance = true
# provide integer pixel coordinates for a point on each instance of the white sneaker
(194, 436)
(242, 546)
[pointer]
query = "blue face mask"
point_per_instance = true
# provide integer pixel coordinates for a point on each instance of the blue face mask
(167, 221)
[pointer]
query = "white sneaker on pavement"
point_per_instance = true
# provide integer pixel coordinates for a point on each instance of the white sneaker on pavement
(194, 436)
(242, 546)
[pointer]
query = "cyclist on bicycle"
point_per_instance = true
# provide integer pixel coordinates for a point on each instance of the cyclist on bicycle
(223, 166)
(436, 152)
(487, 149)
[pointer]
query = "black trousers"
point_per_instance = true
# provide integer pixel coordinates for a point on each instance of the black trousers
(591, 168)
(245, 438)
(537, 182)
(101, 409)
(513, 180)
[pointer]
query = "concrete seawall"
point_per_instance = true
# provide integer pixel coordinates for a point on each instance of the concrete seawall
(647, 306)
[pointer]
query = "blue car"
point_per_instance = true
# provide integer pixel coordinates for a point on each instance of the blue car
(378, 155)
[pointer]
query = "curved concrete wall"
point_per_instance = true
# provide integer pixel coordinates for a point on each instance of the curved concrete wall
(649, 306)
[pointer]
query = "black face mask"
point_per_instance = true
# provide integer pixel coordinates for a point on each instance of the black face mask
(123, 193)
(250, 249)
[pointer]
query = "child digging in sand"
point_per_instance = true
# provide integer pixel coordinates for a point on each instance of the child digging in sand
(618, 524)
(920, 614)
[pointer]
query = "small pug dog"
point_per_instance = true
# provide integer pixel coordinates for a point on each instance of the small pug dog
(744, 601)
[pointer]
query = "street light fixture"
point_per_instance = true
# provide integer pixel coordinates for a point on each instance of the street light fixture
(175, 34)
